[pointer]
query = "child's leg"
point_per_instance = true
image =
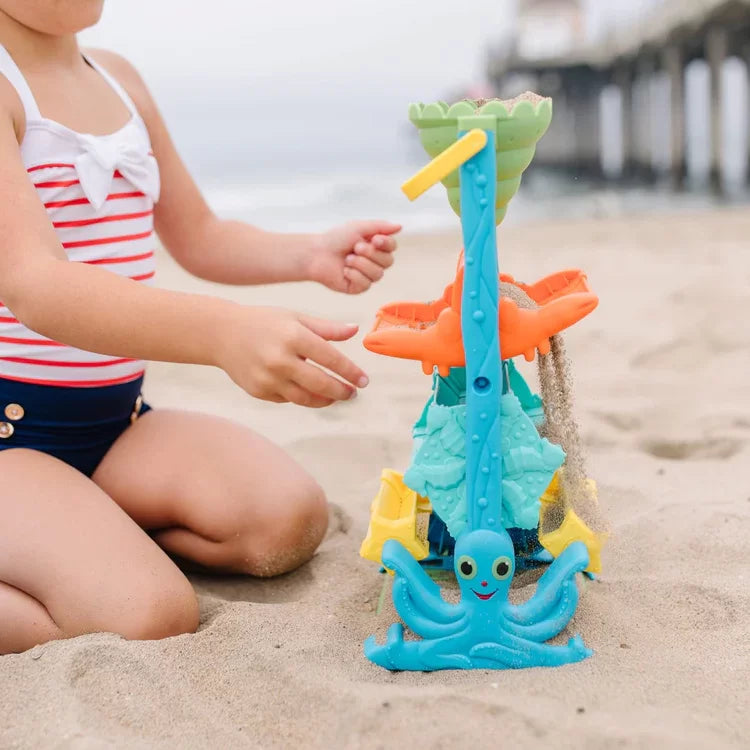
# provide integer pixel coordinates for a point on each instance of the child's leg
(216, 492)
(72, 562)
(24, 622)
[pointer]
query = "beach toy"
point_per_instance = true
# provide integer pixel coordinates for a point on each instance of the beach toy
(530, 402)
(572, 527)
(517, 125)
(397, 512)
(438, 468)
(432, 333)
(482, 631)
(496, 481)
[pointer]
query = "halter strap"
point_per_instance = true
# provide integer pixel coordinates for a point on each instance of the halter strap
(10, 70)
(119, 90)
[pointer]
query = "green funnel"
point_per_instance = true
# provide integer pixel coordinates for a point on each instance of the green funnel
(519, 123)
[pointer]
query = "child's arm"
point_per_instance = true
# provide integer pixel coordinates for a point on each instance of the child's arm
(347, 259)
(263, 349)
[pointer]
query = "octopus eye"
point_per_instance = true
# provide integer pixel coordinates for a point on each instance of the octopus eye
(466, 567)
(502, 568)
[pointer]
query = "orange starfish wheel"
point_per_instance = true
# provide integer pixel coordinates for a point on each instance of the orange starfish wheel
(431, 332)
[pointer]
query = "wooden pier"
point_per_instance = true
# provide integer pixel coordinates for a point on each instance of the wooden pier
(628, 61)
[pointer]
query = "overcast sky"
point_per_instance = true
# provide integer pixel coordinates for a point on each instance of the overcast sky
(397, 46)
(230, 61)
(432, 42)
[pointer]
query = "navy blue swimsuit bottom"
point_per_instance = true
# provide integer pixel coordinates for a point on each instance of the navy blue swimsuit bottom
(76, 425)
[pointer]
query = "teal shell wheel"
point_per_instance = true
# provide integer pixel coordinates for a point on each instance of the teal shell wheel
(521, 122)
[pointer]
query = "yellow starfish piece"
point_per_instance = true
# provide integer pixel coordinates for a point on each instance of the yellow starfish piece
(397, 512)
(571, 530)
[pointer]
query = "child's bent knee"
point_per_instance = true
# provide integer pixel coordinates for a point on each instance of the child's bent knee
(289, 539)
(163, 613)
(314, 515)
(305, 530)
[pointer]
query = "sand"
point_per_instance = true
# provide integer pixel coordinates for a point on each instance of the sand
(660, 386)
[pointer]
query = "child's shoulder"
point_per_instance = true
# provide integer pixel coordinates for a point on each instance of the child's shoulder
(115, 64)
(126, 74)
(11, 108)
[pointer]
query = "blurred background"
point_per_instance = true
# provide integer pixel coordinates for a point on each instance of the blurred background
(293, 114)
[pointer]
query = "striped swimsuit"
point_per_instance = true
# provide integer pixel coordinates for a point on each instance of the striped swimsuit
(99, 193)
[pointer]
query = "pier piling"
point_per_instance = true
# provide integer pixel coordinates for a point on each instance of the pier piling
(716, 54)
(674, 64)
(638, 60)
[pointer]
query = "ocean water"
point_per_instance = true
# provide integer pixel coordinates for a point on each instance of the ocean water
(308, 158)
(314, 202)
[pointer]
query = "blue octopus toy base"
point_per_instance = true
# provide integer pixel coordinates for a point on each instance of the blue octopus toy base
(484, 630)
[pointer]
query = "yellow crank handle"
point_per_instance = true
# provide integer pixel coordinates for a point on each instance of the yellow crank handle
(443, 164)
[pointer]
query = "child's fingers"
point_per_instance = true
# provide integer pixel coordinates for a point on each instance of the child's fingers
(302, 397)
(275, 398)
(383, 259)
(383, 243)
(371, 228)
(365, 266)
(326, 355)
(314, 380)
(358, 282)
(330, 330)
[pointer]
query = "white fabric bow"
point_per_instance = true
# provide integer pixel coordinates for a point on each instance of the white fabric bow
(101, 157)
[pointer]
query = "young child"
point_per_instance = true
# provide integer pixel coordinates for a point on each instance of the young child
(97, 490)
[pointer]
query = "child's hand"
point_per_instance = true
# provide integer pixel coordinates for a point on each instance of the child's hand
(272, 354)
(351, 257)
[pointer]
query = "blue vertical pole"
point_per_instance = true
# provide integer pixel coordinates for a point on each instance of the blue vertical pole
(479, 324)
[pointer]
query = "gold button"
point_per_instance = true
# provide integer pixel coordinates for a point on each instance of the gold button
(136, 409)
(14, 412)
(6, 430)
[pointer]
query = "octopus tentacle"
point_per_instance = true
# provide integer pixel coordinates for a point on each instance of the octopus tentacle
(554, 621)
(382, 655)
(444, 654)
(519, 654)
(423, 592)
(400, 655)
(419, 621)
(573, 559)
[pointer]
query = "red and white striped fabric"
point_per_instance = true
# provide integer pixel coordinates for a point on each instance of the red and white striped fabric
(99, 192)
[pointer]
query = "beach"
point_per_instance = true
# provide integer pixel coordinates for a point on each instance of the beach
(660, 373)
